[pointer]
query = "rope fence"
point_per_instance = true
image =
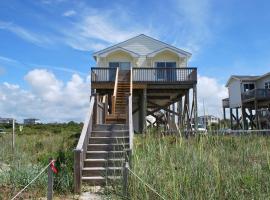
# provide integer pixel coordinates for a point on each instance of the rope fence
(127, 169)
(51, 164)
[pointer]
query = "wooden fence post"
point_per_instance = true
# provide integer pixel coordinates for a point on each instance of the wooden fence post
(13, 134)
(125, 180)
(50, 183)
(77, 171)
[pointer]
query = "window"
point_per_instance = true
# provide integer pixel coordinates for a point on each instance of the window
(121, 65)
(249, 86)
(267, 85)
(163, 73)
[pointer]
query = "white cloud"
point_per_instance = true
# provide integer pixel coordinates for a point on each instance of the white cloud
(94, 30)
(212, 93)
(196, 20)
(48, 98)
(35, 38)
(69, 13)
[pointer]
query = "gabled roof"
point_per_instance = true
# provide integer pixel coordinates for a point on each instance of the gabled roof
(246, 78)
(147, 38)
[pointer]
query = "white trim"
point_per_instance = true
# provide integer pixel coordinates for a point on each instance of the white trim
(105, 54)
(187, 54)
(178, 53)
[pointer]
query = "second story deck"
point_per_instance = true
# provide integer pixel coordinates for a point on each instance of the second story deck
(256, 94)
(146, 77)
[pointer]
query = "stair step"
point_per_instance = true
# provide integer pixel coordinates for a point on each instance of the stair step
(105, 140)
(104, 154)
(107, 147)
(101, 162)
(99, 180)
(101, 171)
(108, 133)
(110, 127)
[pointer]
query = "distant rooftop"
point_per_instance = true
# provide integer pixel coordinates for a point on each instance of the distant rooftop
(246, 77)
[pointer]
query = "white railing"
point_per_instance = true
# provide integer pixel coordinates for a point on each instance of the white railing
(115, 91)
(130, 122)
(81, 149)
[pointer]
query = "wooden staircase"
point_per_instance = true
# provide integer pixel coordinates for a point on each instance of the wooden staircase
(105, 143)
(122, 92)
(105, 154)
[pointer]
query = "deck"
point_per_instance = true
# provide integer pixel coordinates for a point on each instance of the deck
(151, 78)
(256, 95)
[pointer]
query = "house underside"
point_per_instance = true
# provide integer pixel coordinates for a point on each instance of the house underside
(171, 101)
(254, 113)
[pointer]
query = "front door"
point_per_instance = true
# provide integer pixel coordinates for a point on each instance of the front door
(124, 68)
(166, 71)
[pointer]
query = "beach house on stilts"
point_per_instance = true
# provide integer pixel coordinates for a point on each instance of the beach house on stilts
(134, 79)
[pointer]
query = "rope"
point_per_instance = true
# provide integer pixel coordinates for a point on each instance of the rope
(145, 183)
(32, 180)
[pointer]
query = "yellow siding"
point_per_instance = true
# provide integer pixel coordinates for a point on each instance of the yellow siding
(142, 61)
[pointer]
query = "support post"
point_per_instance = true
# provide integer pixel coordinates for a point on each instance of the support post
(244, 117)
(96, 113)
(105, 109)
(13, 134)
(173, 115)
(224, 113)
(77, 171)
(256, 114)
(125, 180)
(143, 110)
(180, 111)
(195, 106)
(237, 118)
(231, 118)
(50, 183)
(187, 111)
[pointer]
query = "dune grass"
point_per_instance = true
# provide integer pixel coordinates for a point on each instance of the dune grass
(33, 148)
(201, 167)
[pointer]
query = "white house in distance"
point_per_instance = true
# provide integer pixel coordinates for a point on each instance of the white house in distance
(208, 120)
(250, 94)
(6, 120)
(31, 121)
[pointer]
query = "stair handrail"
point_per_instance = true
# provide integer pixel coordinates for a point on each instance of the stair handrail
(130, 117)
(130, 122)
(81, 148)
(131, 81)
(115, 90)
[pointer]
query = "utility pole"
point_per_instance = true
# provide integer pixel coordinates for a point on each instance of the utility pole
(13, 134)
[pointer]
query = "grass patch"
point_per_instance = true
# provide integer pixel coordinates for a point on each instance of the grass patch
(33, 148)
(201, 167)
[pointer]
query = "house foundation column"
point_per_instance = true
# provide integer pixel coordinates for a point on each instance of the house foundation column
(195, 106)
(231, 118)
(143, 110)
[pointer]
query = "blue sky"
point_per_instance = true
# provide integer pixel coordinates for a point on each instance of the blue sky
(54, 39)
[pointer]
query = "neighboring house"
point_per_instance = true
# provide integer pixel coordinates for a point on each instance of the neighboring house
(31, 121)
(250, 95)
(160, 78)
(208, 120)
(6, 120)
